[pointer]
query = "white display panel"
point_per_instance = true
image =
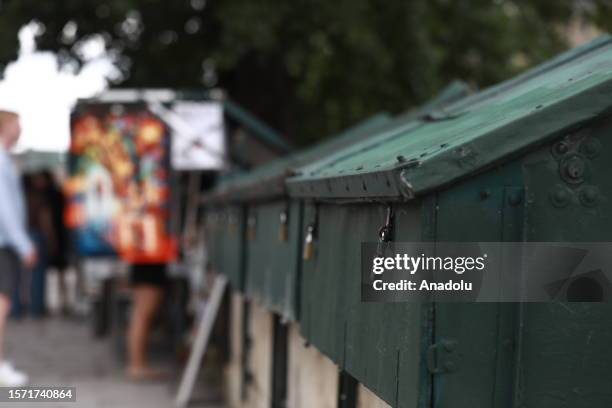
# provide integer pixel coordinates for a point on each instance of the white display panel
(198, 136)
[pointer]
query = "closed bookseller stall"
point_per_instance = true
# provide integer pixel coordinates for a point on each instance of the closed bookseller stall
(526, 160)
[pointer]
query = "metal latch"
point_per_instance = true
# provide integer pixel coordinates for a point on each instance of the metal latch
(436, 352)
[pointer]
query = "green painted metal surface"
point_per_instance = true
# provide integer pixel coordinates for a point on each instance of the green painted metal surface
(483, 334)
(272, 266)
(224, 228)
(564, 347)
(496, 168)
(501, 354)
(267, 181)
(504, 354)
(272, 253)
(470, 135)
(269, 271)
(378, 344)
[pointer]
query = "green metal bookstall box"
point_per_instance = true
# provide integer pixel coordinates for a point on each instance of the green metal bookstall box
(255, 229)
(250, 142)
(526, 160)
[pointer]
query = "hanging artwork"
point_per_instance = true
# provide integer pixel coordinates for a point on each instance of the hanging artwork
(118, 189)
(198, 141)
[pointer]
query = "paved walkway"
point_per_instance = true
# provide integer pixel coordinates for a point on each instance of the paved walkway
(62, 352)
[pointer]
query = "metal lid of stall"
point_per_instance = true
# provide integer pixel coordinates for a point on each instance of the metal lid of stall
(268, 181)
(469, 135)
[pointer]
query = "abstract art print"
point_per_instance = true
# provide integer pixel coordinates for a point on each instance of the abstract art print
(119, 188)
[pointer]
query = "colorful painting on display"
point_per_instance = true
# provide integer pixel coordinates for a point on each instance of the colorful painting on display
(118, 189)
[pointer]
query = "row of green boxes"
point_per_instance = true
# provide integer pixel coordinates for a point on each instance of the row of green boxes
(526, 160)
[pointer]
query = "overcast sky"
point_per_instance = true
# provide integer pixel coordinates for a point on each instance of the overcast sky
(43, 93)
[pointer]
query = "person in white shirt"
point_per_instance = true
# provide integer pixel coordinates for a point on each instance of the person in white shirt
(16, 249)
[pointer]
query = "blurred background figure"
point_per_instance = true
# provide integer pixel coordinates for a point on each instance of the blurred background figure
(148, 286)
(24, 295)
(42, 232)
(44, 203)
(57, 234)
(16, 248)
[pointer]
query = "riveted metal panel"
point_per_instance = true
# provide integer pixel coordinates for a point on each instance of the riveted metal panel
(272, 254)
(565, 349)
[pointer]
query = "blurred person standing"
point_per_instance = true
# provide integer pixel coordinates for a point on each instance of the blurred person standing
(42, 234)
(148, 283)
(16, 249)
(58, 253)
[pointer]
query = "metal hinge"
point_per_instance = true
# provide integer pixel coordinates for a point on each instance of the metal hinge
(441, 351)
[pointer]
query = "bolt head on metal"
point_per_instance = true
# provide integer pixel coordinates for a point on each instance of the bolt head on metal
(559, 196)
(589, 196)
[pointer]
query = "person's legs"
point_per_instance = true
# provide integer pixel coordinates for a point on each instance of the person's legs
(145, 302)
(5, 308)
(9, 377)
(38, 276)
(17, 300)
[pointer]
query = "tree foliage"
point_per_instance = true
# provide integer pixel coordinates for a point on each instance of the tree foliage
(308, 67)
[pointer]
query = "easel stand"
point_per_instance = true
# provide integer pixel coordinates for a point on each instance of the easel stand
(201, 342)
